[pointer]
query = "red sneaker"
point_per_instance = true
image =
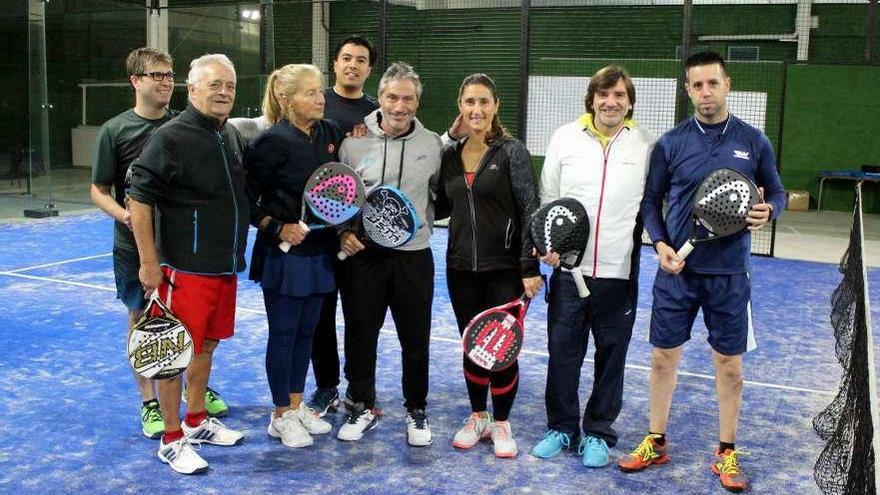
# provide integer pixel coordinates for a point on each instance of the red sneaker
(726, 466)
(647, 453)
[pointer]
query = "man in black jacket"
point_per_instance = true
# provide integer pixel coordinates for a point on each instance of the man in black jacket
(190, 172)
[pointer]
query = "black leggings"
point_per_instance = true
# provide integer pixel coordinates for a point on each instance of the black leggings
(471, 293)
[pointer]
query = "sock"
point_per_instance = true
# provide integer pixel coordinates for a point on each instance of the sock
(724, 446)
(195, 419)
(661, 440)
(172, 436)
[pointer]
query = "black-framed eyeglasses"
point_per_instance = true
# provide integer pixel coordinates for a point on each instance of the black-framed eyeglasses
(159, 76)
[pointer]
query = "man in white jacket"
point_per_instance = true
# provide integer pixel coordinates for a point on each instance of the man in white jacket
(601, 159)
(397, 151)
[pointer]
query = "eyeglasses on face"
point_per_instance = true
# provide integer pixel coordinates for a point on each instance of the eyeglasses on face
(159, 76)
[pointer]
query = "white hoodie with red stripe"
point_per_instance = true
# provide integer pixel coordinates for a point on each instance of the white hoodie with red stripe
(608, 181)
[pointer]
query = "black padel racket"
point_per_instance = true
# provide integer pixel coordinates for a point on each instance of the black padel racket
(562, 226)
(721, 206)
(388, 218)
(334, 194)
(159, 344)
(493, 338)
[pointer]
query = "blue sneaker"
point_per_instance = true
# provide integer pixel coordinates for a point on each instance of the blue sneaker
(595, 452)
(552, 444)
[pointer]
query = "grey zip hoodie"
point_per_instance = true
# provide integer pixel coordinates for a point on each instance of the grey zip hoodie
(410, 163)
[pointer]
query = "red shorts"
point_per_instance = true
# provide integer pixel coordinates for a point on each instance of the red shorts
(204, 303)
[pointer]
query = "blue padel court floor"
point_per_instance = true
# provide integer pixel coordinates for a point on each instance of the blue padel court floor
(69, 411)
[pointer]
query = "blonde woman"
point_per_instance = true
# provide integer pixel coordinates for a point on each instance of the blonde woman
(294, 283)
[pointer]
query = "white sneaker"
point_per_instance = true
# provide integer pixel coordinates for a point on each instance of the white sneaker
(289, 430)
(212, 430)
(476, 428)
(181, 456)
(356, 424)
(311, 420)
(418, 433)
(502, 437)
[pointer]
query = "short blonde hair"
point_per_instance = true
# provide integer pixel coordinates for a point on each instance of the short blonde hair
(285, 82)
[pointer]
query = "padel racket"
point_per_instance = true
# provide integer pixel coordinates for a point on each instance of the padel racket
(721, 206)
(159, 345)
(333, 195)
(493, 338)
(562, 226)
(388, 218)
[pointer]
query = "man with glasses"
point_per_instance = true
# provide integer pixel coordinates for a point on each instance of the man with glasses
(190, 173)
(120, 140)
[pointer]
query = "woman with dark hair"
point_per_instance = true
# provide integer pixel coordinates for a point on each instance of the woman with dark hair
(278, 163)
(489, 190)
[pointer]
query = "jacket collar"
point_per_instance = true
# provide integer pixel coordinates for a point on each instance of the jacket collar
(203, 120)
(586, 122)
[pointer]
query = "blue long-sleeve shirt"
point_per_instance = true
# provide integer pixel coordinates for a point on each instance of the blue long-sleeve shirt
(680, 161)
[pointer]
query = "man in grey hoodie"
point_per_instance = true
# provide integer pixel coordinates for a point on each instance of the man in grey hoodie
(397, 151)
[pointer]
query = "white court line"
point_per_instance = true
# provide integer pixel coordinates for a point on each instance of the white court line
(682, 373)
(58, 281)
(74, 260)
(458, 342)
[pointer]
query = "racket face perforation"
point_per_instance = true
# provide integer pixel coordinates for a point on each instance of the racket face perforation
(334, 193)
(723, 201)
(389, 218)
(563, 227)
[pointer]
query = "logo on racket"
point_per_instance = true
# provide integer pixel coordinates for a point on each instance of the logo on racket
(159, 347)
(494, 343)
(737, 194)
(388, 219)
(721, 206)
(335, 198)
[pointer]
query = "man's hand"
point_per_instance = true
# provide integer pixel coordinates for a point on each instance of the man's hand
(357, 132)
(349, 243)
(669, 260)
(459, 128)
(150, 275)
(532, 285)
(126, 220)
(760, 214)
(550, 259)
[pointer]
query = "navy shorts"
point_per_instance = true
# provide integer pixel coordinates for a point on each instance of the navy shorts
(128, 286)
(724, 299)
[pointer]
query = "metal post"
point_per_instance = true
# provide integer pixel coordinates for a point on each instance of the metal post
(267, 37)
(524, 70)
(383, 35)
(157, 24)
(681, 107)
(320, 38)
(871, 42)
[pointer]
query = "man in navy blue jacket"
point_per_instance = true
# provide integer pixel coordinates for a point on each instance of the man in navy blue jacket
(715, 277)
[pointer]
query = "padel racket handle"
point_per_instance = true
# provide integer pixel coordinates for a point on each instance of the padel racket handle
(341, 256)
(579, 281)
(685, 250)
